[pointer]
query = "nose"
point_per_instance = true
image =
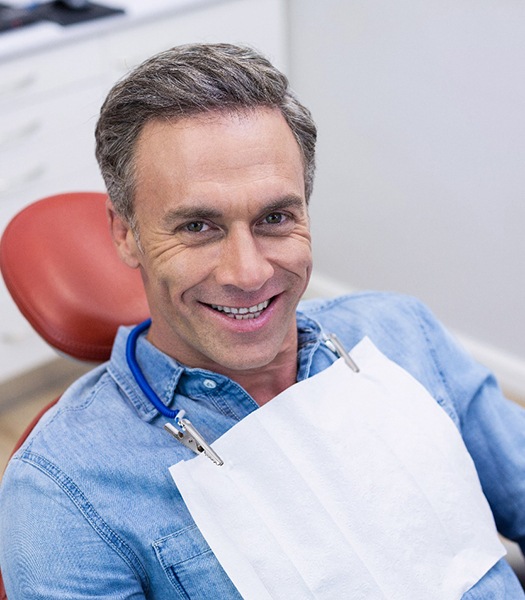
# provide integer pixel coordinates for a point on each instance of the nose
(242, 262)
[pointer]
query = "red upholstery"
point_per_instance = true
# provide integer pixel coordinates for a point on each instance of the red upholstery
(61, 268)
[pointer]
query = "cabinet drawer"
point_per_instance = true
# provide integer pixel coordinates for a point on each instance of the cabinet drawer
(23, 79)
(48, 141)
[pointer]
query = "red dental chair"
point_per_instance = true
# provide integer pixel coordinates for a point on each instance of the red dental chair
(61, 268)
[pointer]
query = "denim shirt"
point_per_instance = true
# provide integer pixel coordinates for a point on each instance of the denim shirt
(88, 508)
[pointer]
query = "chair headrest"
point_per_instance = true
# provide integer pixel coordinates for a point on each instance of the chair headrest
(62, 270)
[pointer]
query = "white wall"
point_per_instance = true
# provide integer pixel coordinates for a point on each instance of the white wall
(421, 171)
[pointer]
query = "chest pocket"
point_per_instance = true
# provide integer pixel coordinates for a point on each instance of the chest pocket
(192, 568)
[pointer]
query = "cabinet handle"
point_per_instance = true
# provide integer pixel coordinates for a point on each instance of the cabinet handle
(23, 132)
(32, 174)
(19, 84)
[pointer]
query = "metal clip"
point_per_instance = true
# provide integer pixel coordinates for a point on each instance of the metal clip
(335, 345)
(191, 438)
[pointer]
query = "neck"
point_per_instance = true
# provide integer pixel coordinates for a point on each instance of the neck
(265, 385)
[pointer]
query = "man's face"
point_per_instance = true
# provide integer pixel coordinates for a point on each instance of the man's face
(224, 247)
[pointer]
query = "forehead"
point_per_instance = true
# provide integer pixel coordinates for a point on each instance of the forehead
(218, 150)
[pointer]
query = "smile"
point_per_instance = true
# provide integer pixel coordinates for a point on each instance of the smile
(249, 312)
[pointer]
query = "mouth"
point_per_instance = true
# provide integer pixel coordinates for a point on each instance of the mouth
(243, 313)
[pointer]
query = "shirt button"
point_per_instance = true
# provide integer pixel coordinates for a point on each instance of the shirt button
(210, 384)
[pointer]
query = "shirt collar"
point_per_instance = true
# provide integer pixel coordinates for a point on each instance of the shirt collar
(163, 372)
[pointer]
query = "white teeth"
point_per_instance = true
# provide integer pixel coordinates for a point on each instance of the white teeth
(250, 312)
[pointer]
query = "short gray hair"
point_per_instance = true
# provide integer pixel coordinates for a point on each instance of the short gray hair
(183, 82)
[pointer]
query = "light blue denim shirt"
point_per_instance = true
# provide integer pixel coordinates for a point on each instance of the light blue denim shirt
(88, 508)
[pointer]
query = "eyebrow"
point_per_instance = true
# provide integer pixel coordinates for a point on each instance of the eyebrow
(194, 213)
(200, 213)
(285, 202)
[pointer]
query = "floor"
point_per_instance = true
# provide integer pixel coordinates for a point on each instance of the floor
(23, 397)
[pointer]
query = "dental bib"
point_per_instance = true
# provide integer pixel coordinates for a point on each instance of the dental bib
(346, 485)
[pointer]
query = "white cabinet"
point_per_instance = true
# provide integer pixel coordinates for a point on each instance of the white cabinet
(47, 108)
(49, 103)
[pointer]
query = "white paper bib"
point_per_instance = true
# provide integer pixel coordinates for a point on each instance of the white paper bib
(346, 485)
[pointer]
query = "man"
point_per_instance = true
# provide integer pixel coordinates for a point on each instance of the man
(208, 159)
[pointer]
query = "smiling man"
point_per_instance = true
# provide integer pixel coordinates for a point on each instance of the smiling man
(345, 448)
(224, 243)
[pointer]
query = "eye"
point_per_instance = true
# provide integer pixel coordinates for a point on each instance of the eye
(198, 232)
(195, 227)
(275, 224)
(274, 218)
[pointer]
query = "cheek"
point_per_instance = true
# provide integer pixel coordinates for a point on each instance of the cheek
(294, 254)
(179, 272)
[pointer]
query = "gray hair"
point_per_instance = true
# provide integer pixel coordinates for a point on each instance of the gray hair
(183, 82)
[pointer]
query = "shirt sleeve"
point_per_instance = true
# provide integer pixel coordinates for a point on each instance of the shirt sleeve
(49, 547)
(493, 427)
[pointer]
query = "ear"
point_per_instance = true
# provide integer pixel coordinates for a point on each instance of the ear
(123, 237)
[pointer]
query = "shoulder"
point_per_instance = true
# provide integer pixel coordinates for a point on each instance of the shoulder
(359, 301)
(370, 313)
(84, 417)
(401, 326)
(406, 331)
(77, 402)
